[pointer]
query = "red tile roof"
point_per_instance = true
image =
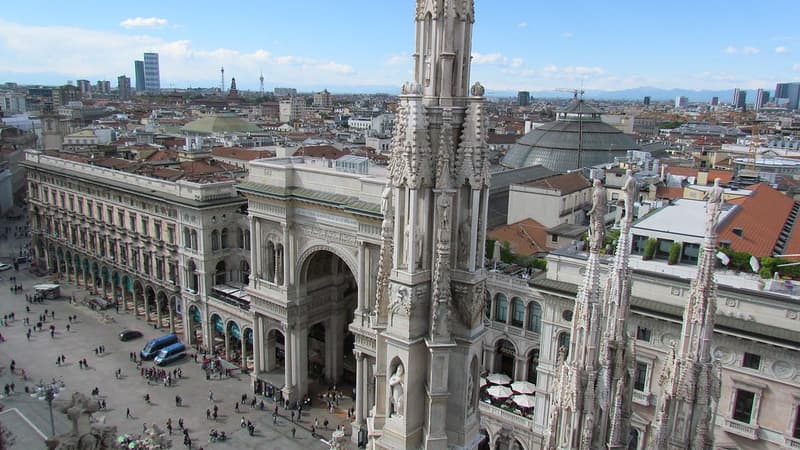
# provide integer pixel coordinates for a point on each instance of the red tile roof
(526, 237)
(566, 183)
(242, 154)
(760, 217)
(322, 151)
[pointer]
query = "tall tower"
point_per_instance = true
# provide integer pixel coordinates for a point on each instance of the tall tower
(431, 281)
(261, 81)
(690, 382)
(590, 407)
(221, 80)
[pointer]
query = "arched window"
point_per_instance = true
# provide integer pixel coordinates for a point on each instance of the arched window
(194, 240)
(533, 365)
(535, 317)
(247, 239)
(633, 440)
(563, 341)
(517, 312)
(244, 268)
(219, 273)
(487, 307)
(215, 240)
(191, 274)
(500, 308)
(224, 238)
(240, 238)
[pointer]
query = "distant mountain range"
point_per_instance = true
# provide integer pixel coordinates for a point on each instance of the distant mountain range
(656, 94)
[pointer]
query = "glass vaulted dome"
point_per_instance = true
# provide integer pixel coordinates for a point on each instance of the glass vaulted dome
(578, 138)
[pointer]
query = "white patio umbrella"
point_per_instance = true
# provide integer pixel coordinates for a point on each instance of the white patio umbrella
(523, 387)
(524, 401)
(498, 378)
(484, 382)
(500, 392)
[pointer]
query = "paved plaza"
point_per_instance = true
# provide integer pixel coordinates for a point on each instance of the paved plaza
(24, 415)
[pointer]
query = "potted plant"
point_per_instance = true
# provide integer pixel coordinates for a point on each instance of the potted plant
(674, 253)
(650, 249)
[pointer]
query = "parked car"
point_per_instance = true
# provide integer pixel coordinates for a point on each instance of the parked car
(129, 335)
(4, 266)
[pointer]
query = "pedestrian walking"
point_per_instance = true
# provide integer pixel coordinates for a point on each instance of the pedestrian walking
(128, 413)
(210, 396)
(294, 431)
(208, 414)
(292, 416)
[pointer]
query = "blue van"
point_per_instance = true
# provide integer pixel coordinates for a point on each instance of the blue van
(152, 348)
(169, 354)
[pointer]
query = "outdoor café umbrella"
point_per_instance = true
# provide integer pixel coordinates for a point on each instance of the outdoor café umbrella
(500, 392)
(523, 387)
(498, 378)
(484, 382)
(524, 401)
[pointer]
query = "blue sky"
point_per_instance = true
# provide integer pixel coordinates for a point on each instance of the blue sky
(517, 44)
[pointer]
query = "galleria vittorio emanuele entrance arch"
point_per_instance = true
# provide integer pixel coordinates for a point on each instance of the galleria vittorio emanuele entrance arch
(310, 288)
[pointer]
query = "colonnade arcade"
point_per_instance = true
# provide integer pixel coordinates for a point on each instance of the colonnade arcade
(154, 303)
(312, 346)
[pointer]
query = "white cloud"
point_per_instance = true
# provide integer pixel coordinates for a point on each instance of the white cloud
(144, 22)
(488, 58)
(523, 24)
(397, 60)
(781, 49)
(81, 53)
(796, 67)
(750, 50)
(516, 62)
(730, 50)
(567, 34)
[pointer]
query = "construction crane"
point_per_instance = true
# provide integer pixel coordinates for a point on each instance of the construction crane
(577, 94)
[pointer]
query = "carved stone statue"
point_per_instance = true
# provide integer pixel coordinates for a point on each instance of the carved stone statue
(713, 207)
(84, 434)
(477, 90)
(629, 193)
(419, 244)
(597, 214)
(463, 242)
(396, 388)
(386, 200)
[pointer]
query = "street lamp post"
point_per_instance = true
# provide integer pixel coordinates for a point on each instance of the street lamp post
(49, 396)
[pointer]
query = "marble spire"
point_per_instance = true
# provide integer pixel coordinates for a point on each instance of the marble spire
(690, 381)
(591, 399)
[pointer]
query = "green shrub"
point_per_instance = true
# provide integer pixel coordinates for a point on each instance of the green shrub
(739, 260)
(674, 253)
(650, 248)
(769, 266)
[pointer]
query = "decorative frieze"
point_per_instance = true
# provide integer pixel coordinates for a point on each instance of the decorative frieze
(326, 235)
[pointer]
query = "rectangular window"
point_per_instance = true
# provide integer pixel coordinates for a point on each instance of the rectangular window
(662, 249)
(120, 218)
(171, 234)
(643, 334)
(640, 377)
(157, 229)
(554, 238)
(637, 245)
(743, 405)
(132, 221)
(99, 211)
(751, 361)
(145, 228)
(80, 205)
(796, 430)
(690, 254)
(110, 214)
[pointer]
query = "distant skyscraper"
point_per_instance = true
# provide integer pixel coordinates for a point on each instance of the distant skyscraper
(788, 92)
(523, 98)
(762, 98)
(739, 99)
(123, 87)
(139, 75)
(646, 100)
(284, 92)
(681, 101)
(103, 87)
(152, 78)
(85, 87)
(714, 101)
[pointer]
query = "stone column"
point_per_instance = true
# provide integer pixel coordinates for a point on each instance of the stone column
(475, 206)
(300, 359)
(279, 267)
(362, 277)
(244, 347)
(158, 311)
(361, 391)
(171, 311)
(410, 246)
(227, 343)
(258, 341)
(289, 356)
(520, 367)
